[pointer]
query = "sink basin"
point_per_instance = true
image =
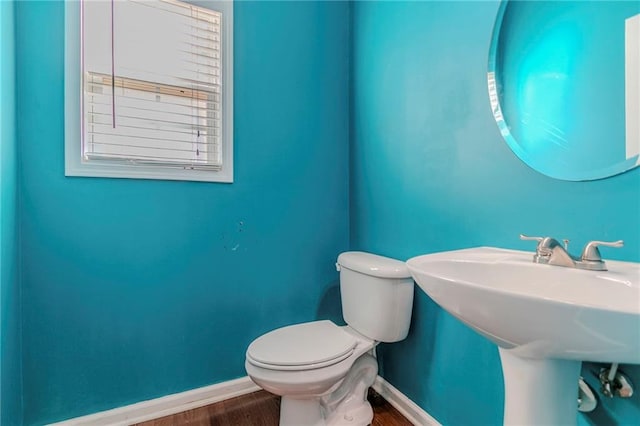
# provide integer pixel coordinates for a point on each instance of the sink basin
(538, 311)
(545, 320)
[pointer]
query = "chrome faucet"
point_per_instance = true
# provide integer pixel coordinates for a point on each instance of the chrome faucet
(550, 252)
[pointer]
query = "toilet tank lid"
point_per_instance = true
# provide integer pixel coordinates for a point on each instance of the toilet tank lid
(373, 265)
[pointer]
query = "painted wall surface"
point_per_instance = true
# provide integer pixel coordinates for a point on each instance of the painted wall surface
(430, 172)
(10, 333)
(136, 289)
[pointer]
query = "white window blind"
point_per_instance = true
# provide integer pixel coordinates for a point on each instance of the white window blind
(152, 84)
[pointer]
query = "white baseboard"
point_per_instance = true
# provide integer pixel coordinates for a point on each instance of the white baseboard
(166, 405)
(179, 402)
(404, 405)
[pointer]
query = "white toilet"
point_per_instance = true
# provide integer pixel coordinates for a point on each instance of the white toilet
(323, 371)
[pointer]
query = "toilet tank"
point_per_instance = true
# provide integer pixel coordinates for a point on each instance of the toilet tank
(377, 295)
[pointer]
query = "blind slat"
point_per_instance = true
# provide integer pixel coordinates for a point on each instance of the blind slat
(172, 141)
(179, 78)
(203, 134)
(199, 85)
(145, 147)
(134, 102)
(102, 80)
(149, 160)
(186, 46)
(187, 9)
(149, 120)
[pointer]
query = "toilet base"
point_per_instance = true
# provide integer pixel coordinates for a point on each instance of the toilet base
(309, 412)
(297, 412)
(354, 416)
(346, 405)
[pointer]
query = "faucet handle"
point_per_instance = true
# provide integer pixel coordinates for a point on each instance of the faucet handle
(591, 252)
(528, 238)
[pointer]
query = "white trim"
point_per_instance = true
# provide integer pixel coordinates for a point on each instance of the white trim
(403, 404)
(179, 402)
(166, 405)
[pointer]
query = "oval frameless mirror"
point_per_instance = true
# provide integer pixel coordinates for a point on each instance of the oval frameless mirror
(564, 84)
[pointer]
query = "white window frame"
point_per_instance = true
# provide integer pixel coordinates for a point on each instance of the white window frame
(74, 163)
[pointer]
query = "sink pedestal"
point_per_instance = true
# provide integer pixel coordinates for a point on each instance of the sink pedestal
(539, 391)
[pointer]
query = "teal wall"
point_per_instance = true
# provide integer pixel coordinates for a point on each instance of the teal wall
(10, 320)
(136, 289)
(431, 172)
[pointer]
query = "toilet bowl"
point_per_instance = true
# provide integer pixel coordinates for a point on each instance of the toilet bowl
(306, 378)
(322, 370)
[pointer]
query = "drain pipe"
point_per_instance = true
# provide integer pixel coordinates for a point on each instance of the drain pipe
(613, 371)
(614, 382)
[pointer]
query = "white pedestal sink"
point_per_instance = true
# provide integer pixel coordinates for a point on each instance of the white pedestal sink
(545, 319)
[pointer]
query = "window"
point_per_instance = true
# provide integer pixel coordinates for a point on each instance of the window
(149, 90)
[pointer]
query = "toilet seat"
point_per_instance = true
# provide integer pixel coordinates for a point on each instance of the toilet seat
(302, 347)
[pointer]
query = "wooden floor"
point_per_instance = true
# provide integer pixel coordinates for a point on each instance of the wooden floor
(263, 409)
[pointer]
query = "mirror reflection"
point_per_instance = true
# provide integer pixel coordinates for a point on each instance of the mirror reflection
(564, 85)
